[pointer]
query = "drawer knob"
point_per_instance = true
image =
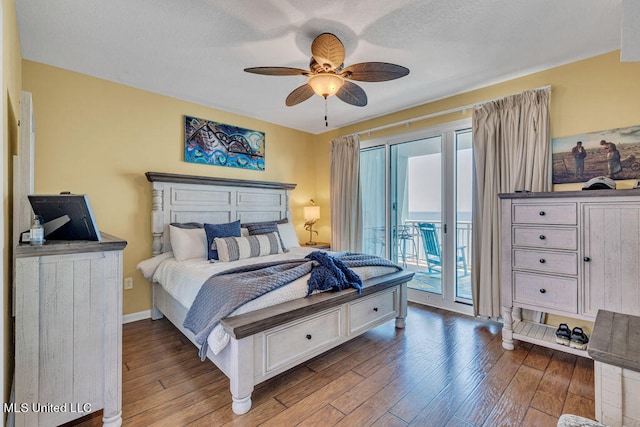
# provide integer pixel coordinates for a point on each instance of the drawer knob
(543, 291)
(308, 336)
(375, 308)
(586, 259)
(542, 213)
(542, 237)
(542, 260)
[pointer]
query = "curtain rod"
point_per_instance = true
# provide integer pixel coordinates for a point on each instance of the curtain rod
(442, 113)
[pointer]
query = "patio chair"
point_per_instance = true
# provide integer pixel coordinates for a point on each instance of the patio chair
(404, 235)
(432, 248)
(374, 240)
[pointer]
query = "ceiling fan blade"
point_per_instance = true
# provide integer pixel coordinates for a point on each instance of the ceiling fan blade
(277, 71)
(328, 51)
(298, 95)
(352, 94)
(374, 72)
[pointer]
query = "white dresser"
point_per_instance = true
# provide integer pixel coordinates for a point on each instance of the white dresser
(68, 314)
(570, 254)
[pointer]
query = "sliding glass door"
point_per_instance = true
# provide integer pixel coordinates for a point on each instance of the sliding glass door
(417, 210)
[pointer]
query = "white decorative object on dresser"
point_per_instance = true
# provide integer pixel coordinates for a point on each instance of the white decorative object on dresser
(68, 313)
(570, 254)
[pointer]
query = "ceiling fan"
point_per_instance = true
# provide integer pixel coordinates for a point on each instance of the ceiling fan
(328, 76)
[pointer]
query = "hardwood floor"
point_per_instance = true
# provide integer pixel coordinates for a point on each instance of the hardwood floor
(444, 369)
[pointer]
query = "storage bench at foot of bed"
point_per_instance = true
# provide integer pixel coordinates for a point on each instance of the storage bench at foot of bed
(283, 347)
(269, 341)
(286, 335)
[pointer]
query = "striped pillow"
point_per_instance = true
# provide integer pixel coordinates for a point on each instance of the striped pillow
(265, 228)
(235, 248)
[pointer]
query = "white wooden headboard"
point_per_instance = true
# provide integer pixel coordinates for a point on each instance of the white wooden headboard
(188, 198)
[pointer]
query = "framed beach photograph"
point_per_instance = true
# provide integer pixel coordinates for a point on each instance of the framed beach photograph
(219, 144)
(612, 153)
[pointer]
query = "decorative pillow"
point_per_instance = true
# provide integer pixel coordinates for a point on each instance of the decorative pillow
(230, 229)
(244, 232)
(188, 225)
(280, 221)
(262, 228)
(288, 235)
(265, 228)
(149, 266)
(235, 248)
(188, 243)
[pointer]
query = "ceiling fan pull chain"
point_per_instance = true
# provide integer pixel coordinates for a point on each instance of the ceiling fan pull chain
(326, 122)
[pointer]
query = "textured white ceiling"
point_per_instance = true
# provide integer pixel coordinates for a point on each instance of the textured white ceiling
(196, 50)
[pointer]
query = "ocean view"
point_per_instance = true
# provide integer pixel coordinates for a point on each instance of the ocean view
(436, 216)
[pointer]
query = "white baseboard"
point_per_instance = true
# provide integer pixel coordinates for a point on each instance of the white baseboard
(133, 317)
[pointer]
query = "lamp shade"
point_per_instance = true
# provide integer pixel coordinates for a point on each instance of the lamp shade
(326, 84)
(311, 213)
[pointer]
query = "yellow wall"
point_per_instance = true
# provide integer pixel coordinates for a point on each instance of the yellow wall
(11, 85)
(99, 138)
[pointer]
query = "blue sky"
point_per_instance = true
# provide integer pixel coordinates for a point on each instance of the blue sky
(425, 177)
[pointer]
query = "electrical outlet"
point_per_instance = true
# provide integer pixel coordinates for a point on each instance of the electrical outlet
(128, 282)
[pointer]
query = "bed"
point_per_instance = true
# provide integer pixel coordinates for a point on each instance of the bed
(267, 340)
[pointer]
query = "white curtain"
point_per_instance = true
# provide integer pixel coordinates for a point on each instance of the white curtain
(345, 194)
(511, 149)
(372, 187)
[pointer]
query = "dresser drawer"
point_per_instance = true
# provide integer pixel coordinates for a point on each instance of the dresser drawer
(550, 238)
(556, 213)
(558, 293)
(287, 344)
(371, 310)
(546, 261)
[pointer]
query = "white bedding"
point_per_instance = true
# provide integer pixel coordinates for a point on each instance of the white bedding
(182, 280)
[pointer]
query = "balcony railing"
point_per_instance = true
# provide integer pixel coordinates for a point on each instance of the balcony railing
(410, 247)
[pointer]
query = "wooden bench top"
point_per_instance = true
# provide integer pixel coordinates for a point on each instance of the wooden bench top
(616, 340)
(244, 325)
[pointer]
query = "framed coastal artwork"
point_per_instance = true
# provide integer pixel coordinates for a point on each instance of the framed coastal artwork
(613, 153)
(219, 144)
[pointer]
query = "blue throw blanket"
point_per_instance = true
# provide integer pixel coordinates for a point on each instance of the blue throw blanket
(331, 274)
(224, 292)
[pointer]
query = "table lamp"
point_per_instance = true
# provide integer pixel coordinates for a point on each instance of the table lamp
(311, 214)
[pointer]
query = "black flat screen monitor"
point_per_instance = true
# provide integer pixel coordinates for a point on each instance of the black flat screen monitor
(66, 216)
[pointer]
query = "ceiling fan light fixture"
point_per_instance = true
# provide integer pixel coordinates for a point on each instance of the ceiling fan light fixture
(326, 84)
(327, 75)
